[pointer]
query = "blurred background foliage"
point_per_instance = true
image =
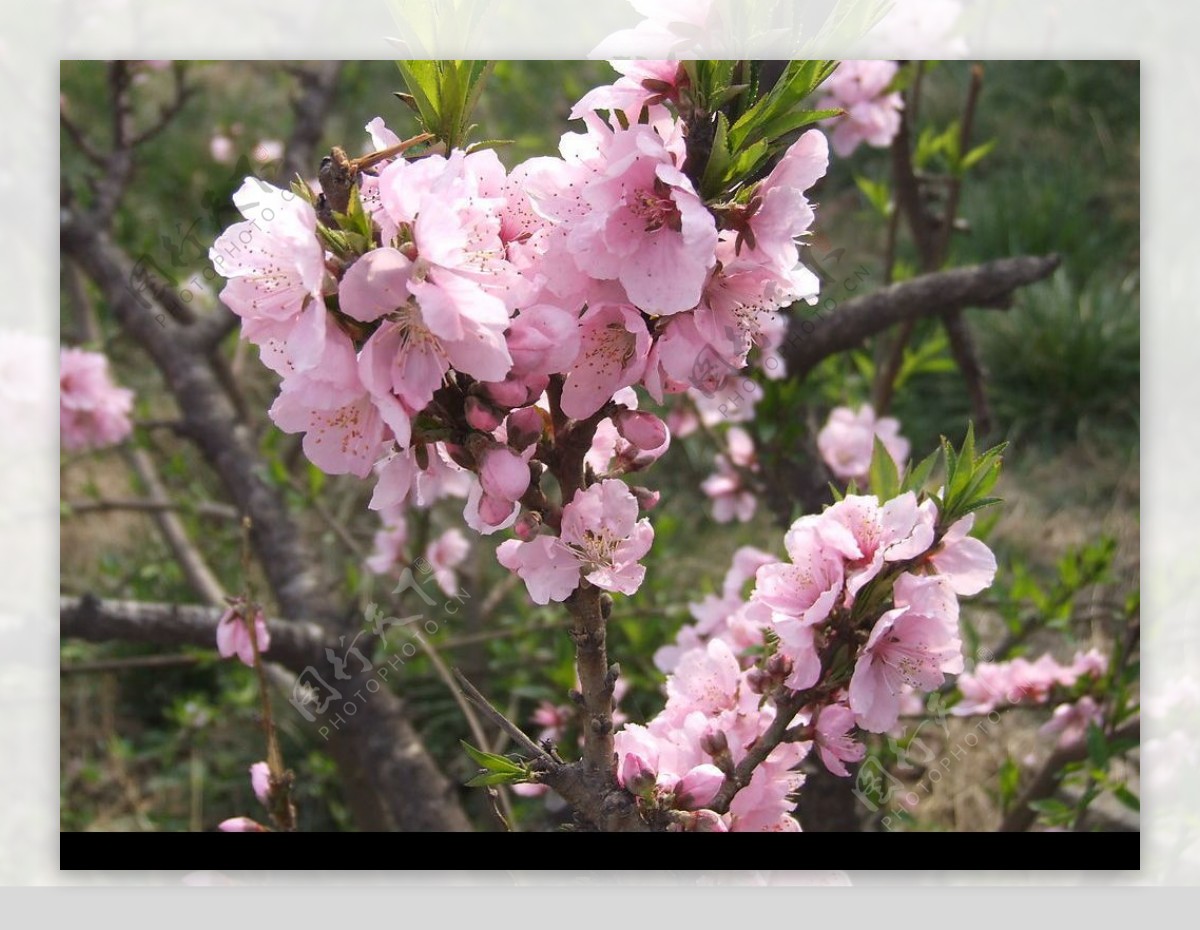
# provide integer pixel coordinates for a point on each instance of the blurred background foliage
(168, 747)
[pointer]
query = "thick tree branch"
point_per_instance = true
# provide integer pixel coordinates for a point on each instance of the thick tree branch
(986, 286)
(295, 645)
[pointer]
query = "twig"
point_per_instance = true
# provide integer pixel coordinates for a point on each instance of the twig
(443, 672)
(518, 735)
(174, 533)
(330, 520)
(130, 662)
(82, 142)
(183, 93)
(106, 505)
(1022, 816)
(785, 712)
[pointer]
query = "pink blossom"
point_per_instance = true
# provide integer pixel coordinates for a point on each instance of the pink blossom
(401, 476)
(550, 570)
(965, 562)
(867, 535)
(681, 358)
(727, 488)
(241, 825)
(1071, 721)
(642, 83)
(455, 325)
(782, 215)
(601, 537)
(641, 429)
(614, 343)
(668, 28)
(543, 339)
(389, 546)
(835, 745)
(801, 594)
(267, 151)
(276, 267)
(601, 527)
(706, 680)
(847, 441)
(345, 427)
(233, 635)
(93, 411)
(916, 644)
(739, 309)
(644, 226)
(260, 781)
(872, 116)
(444, 555)
(994, 684)
(765, 805)
(504, 476)
(221, 147)
(449, 210)
(553, 719)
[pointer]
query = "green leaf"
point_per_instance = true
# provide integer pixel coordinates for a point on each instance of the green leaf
(976, 155)
(1097, 746)
(877, 194)
(719, 160)
(496, 778)
(885, 479)
(798, 81)
(1127, 797)
(1009, 779)
(918, 477)
(491, 762)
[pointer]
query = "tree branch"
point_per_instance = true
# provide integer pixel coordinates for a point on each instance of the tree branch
(986, 286)
(174, 533)
(1022, 816)
(108, 505)
(295, 645)
(318, 91)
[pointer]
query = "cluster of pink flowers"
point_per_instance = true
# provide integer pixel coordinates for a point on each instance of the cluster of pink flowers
(847, 441)
(93, 411)
(991, 685)
(717, 680)
(430, 345)
(872, 113)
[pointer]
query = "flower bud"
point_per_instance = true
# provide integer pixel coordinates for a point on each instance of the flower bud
(524, 427)
(641, 429)
(527, 525)
(699, 786)
(240, 825)
(779, 666)
(646, 498)
(494, 510)
(504, 474)
(482, 415)
(508, 393)
(714, 742)
(636, 776)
